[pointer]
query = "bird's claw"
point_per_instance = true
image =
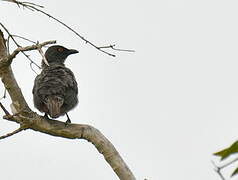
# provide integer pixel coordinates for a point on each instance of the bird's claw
(67, 122)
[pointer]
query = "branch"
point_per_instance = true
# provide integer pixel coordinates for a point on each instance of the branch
(43, 56)
(31, 120)
(32, 47)
(4, 94)
(8, 78)
(117, 49)
(35, 7)
(218, 170)
(229, 163)
(12, 37)
(78, 131)
(17, 36)
(7, 60)
(4, 109)
(12, 133)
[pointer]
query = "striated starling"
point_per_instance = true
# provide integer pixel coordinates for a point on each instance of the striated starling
(55, 89)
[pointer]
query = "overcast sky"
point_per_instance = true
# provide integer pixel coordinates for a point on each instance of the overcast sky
(166, 108)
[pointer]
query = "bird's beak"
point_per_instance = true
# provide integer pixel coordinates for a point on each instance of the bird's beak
(72, 51)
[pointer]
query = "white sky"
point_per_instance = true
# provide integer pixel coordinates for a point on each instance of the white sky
(166, 108)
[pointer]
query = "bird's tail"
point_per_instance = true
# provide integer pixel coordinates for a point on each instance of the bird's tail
(54, 104)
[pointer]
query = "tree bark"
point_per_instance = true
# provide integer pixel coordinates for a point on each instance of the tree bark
(31, 120)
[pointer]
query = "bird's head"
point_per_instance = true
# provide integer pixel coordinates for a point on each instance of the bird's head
(58, 54)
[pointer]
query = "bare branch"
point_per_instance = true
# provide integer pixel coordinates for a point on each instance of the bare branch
(78, 131)
(33, 4)
(7, 60)
(25, 116)
(117, 49)
(218, 170)
(8, 78)
(26, 39)
(10, 36)
(4, 94)
(22, 126)
(12, 133)
(4, 109)
(229, 163)
(43, 56)
(33, 7)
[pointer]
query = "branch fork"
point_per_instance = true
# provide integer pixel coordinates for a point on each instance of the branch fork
(31, 120)
(7, 60)
(38, 8)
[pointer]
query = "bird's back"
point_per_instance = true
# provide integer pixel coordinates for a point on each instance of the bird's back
(55, 90)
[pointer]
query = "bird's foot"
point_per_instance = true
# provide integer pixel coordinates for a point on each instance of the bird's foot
(46, 116)
(68, 120)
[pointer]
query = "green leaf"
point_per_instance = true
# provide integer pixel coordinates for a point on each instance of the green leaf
(235, 172)
(228, 151)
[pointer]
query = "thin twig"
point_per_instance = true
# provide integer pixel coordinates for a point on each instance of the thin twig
(32, 62)
(8, 45)
(4, 94)
(229, 163)
(33, 6)
(29, 48)
(43, 56)
(27, 56)
(117, 49)
(218, 170)
(127, 50)
(12, 133)
(26, 39)
(4, 109)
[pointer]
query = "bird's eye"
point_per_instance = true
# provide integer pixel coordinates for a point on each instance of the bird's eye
(60, 49)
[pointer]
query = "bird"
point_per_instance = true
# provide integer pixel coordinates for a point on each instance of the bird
(55, 90)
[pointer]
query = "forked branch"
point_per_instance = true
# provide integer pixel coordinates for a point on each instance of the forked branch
(10, 36)
(38, 8)
(8, 59)
(12, 133)
(31, 120)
